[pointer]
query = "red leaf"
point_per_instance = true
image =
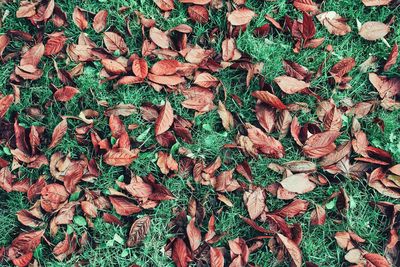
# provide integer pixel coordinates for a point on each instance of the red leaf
(373, 30)
(108, 218)
(79, 19)
(216, 258)
(65, 94)
(26, 10)
(291, 85)
(321, 144)
(241, 16)
(89, 209)
(318, 216)
(100, 21)
(392, 58)
(292, 248)
(165, 67)
(114, 42)
(138, 231)
(377, 260)
(33, 55)
(5, 104)
(4, 41)
(305, 5)
(165, 5)
(206, 80)
(308, 30)
(52, 196)
(180, 253)
(58, 133)
(159, 37)
(23, 260)
(113, 66)
(194, 235)
(376, 2)
(255, 202)
(166, 80)
(294, 208)
(165, 119)
(6, 179)
(139, 67)
(120, 156)
(198, 14)
(55, 44)
(123, 206)
(298, 183)
(269, 99)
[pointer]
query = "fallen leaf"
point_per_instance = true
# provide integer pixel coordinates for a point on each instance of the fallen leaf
(100, 21)
(138, 231)
(159, 37)
(79, 19)
(58, 133)
(241, 16)
(291, 85)
(373, 30)
(292, 248)
(298, 183)
(194, 235)
(165, 119)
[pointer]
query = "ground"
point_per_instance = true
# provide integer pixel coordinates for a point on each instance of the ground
(209, 137)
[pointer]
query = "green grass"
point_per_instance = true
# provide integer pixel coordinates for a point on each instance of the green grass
(318, 243)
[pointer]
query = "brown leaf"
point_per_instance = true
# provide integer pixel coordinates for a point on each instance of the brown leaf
(293, 209)
(376, 260)
(180, 253)
(5, 104)
(198, 14)
(55, 44)
(165, 5)
(318, 216)
(120, 156)
(342, 67)
(292, 248)
(58, 133)
(298, 183)
(32, 56)
(27, 242)
(196, 2)
(52, 196)
(138, 231)
(296, 70)
(255, 202)
(373, 30)
(123, 206)
(166, 162)
(6, 179)
(266, 117)
(4, 41)
(392, 58)
(165, 119)
(216, 257)
(113, 66)
(297, 166)
(264, 143)
(79, 19)
(241, 16)
(100, 21)
(114, 42)
(305, 5)
(226, 117)
(159, 37)
(89, 209)
(206, 80)
(321, 144)
(334, 23)
(26, 9)
(65, 94)
(194, 235)
(165, 67)
(268, 98)
(376, 2)
(140, 68)
(386, 87)
(166, 80)
(291, 85)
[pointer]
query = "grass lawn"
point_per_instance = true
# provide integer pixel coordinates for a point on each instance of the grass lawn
(106, 245)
